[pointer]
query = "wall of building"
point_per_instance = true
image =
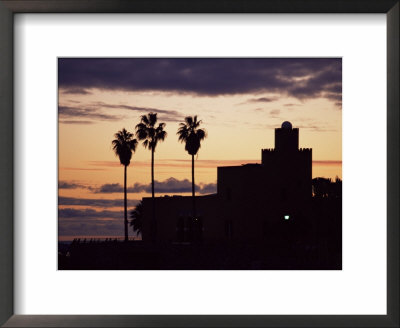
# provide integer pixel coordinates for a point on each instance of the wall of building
(174, 218)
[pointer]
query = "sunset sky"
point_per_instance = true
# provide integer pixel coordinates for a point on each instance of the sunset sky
(240, 103)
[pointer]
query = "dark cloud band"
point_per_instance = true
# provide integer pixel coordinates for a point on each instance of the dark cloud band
(68, 201)
(170, 185)
(297, 77)
(88, 213)
(90, 113)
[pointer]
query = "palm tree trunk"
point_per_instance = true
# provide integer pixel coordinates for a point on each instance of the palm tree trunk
(152, 195)
(193, 191)
(125, 207)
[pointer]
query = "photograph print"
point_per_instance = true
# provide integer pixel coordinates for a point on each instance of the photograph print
(199, 163)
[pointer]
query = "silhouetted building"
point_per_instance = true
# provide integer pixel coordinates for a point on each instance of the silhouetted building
(267, 202)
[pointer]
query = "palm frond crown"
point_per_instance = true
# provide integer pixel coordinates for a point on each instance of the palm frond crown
(123, 145)
(137, 216)
(191, 135)
(148, 132)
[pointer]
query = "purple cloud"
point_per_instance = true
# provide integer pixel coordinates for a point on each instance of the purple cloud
(297, 77)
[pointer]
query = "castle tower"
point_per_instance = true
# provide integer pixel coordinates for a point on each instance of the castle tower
(286, 138)
(291, 165)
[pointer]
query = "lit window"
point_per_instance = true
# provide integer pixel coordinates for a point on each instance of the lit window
(287, 217)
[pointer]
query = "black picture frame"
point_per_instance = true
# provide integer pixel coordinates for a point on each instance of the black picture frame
(10, 7)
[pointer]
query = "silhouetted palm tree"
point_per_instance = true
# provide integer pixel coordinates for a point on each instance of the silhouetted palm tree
(137, 218)
(150, 134)
(191, 135)
(123, 146)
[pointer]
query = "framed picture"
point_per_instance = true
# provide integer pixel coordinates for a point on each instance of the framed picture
(181, 218)
(187, 213)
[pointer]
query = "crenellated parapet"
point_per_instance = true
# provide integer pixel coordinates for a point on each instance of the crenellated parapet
(286, 149)
(267, 155)
(306, 153)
